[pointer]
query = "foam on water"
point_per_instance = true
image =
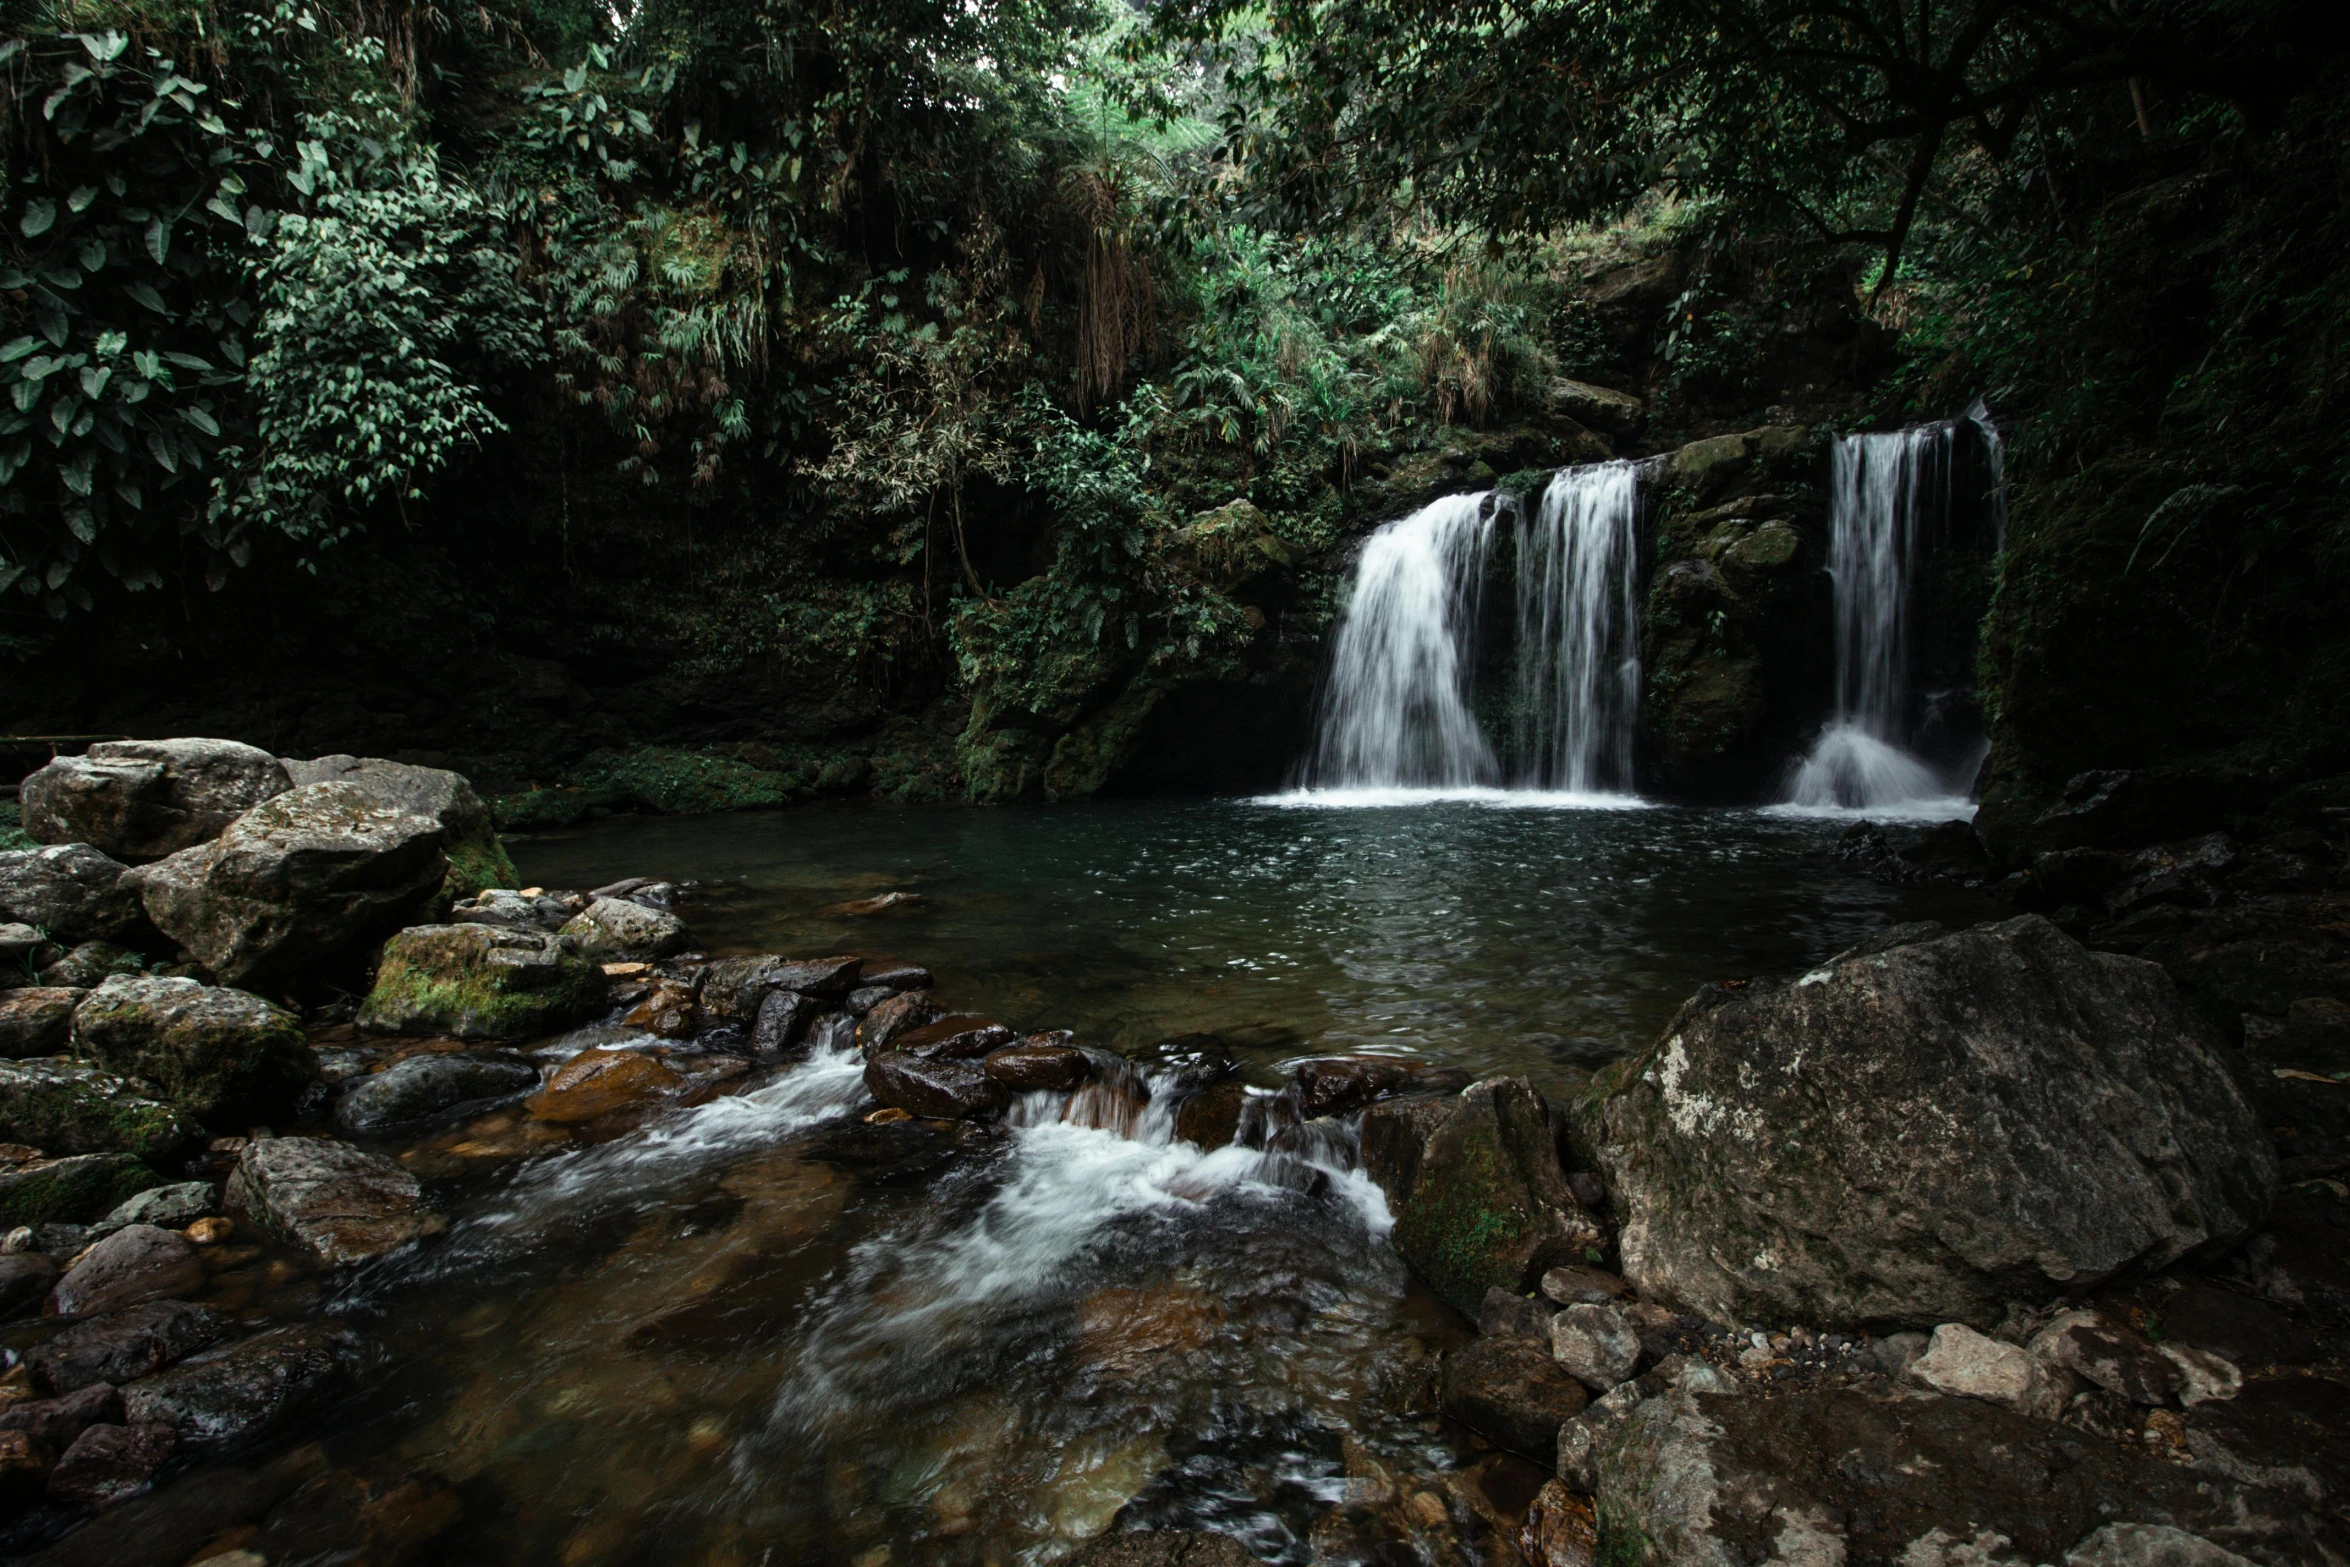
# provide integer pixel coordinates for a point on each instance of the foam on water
(1506, 799)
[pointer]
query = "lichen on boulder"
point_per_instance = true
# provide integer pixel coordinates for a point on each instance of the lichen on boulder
(1926, 1133)
(481, 982)
(477, 860)
(143, 799)
(313, 876)
(224, 1057)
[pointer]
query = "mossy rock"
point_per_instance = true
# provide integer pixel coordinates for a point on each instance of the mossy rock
(12, 833)
(1490, 1207)
(68, 1108)
(78, 1190)
(481, 982)
(477, 864)
(225, 1058)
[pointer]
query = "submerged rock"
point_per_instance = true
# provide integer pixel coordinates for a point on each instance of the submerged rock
(314, 876)
(942, 1088)
(71, 890)
(121, 1346)
(1164, 1548)
(1490, 1206)
(1847, 1475)
(334, 1201)
(427, 1085)
(143, 799)
(1510, 1391)
(134, 1264)
(477, 860)
(250, 1388)
(615, 930)
(225, 1057)
(73, 1109)
(37, 1020)
(481, 982)
(2049, 1118)
(107, 1463)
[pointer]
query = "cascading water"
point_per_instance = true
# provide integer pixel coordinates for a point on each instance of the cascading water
(1578, 651)
(1397, 709)
(1887, 488)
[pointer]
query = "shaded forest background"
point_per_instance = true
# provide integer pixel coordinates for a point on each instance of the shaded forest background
(724, 401)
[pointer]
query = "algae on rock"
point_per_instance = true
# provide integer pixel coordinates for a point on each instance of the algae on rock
(481, 982)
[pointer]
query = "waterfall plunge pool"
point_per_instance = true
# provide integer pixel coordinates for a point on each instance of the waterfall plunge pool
(760, 1330)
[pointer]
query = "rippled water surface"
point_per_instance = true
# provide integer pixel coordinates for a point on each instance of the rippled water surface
(762, 1330)
(1477, 930)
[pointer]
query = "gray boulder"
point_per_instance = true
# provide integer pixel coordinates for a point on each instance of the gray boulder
(249, 1388)
(481, 982)
(24, 949)
(71, 890)
(615, 930)
(1925, 1134)
(37, 1020)
(503, 906)
(225, 1057)
(334, 1201)
(143, 799)
(316, 875)
(477, 860)
(427, 1085)
(1834, 1475)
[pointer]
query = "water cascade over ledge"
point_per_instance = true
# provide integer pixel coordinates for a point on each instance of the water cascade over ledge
(1400, 707)
(1888, 491)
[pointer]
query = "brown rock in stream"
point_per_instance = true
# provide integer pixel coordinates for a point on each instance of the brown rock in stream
(959, 1036)
(1511, 1392)
(134, 1264)
(880, 1026)
(598, 1082)
(1029, 1066)
(943, 1089)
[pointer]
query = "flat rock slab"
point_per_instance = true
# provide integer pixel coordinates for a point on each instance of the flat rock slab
(1715, 1480)
(339, 1203)
(598, 1083)
(1925, 1134)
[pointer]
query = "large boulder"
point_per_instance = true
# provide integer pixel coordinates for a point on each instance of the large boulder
(70, 890)
(1836, 1475)
(1925, 1134)
(481, 982)
(1489, 1205)
(334, 1201)
(313, 876)
(477, 860)
(143, 799)
(225, 1057)
(69, 1108)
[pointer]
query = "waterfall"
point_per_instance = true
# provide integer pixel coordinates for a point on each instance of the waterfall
(1886, 489)
(1578, 648)
(1397, 709)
